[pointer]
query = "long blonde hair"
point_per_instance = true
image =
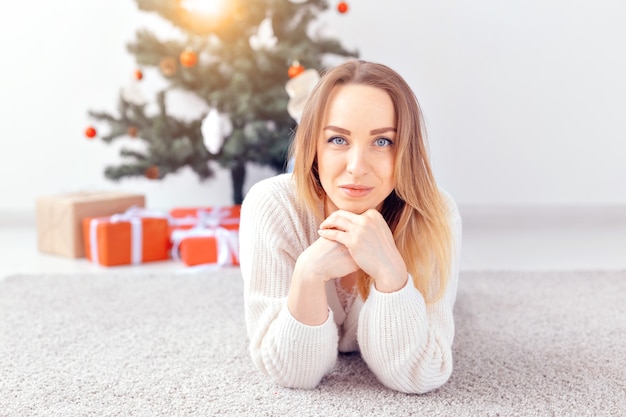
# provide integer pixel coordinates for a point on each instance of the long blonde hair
(415, 211)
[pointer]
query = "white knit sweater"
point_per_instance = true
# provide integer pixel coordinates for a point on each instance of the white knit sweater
(405, 342)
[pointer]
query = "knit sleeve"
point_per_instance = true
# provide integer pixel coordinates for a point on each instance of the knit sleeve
(272, 235)
(407, 343)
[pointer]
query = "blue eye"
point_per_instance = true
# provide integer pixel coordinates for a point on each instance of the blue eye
(383, 142)
(337, 140)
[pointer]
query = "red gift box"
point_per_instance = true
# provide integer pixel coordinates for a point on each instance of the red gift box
(198, 246)
(226, 217)
(132, 237)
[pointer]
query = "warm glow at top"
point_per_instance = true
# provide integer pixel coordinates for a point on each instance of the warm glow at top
(204, 7)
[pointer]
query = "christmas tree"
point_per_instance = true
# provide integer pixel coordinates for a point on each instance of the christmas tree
(237, 56)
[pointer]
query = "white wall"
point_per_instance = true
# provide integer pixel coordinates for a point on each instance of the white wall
(525, 99)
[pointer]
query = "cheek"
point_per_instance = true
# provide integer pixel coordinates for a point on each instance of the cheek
(386, 168)
(326, 174)
(326, 163)
(322, 168)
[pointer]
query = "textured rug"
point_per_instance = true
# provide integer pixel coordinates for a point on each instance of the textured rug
(527, 344)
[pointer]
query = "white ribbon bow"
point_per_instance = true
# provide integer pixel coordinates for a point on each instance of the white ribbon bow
(213, 218)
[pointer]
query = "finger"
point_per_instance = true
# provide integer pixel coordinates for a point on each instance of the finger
(373, 214)
(336, 235)
(340, 220)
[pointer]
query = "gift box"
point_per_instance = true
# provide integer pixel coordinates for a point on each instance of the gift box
(226, 217)
(199, 246)
(133, 237)
(59, 218)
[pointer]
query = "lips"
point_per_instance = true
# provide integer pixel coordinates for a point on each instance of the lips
(355, 190)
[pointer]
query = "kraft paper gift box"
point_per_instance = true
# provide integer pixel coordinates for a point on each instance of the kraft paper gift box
(200, 246)
(226, 217)
(133, 237)
(59, 218)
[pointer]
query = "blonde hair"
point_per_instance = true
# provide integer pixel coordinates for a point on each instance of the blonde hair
(415, 211)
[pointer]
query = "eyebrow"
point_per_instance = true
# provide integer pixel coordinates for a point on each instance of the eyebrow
(372, 132)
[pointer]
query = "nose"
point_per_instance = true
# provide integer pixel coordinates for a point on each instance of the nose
(358, 161)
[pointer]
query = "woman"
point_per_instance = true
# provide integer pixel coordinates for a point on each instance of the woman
(358, 249)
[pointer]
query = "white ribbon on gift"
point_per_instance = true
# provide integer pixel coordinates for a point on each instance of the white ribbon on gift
(133, 215)
(227, 242)
(215, 217)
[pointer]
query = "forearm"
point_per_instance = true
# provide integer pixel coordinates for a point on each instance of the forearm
(296, 346)
(293, 354)
(405, 344)
(307, 301)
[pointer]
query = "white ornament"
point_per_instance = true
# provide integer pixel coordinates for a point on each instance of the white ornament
(264, 38)
(298, 1)
(212, 132)
(133, 94)
(299, 89)
(215, 128)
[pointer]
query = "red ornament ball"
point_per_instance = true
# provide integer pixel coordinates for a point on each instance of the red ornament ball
(138, 74)
(295, 69)
(342, 7)
(152, 172)
(188, 58)
(90, 132)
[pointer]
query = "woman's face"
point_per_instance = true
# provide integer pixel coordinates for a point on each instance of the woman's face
(356, 148)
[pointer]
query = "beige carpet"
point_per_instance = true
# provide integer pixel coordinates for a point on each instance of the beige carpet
(527, 344)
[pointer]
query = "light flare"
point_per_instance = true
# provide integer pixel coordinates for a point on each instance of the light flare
(204, 7)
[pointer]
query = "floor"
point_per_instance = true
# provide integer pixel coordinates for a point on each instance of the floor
(493, 238)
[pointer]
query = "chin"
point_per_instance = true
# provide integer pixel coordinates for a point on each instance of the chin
(357, 208)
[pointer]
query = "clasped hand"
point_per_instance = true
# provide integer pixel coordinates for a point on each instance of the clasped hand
(350, 241)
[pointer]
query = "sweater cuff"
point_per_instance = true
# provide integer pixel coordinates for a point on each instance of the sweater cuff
(299, 355)
(306, 335)
(387, 302)
(407, 287)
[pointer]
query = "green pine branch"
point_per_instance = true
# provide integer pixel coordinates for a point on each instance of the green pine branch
(246, 84)
(170, 143)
